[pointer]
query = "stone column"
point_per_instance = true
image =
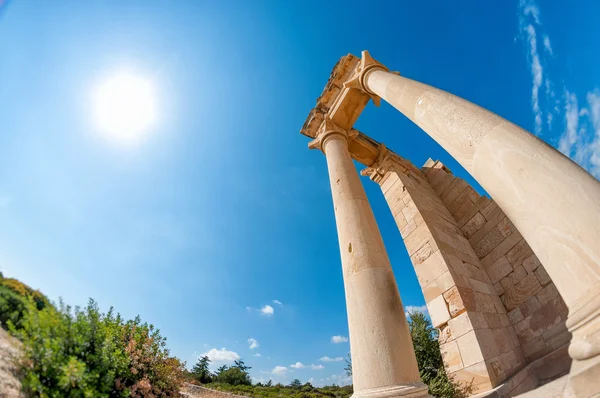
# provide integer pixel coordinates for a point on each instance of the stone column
(383, 358)
(553, 202)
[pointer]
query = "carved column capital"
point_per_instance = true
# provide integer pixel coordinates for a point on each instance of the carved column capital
(326, 131)
(380, 167)
(358, 80)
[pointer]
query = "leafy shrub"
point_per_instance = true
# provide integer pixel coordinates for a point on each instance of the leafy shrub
(84, 353)
(429, 359)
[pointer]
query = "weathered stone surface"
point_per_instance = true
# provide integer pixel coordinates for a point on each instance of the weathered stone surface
(438, 286)
(438, 311)
(469, 349)
(451, 356)
(474, 224)
(488, 243)
(431, 269)
(498, 288)
(460, 325)
(521, 292)
(506, 227)
(501, 249)
(515, 316)
(519, 253)
(530, 306)
(531, 263)
(542, 276)
(417, 238)
(499, 269)
(484, 303)
(459, 299)
(445, 333)
(422, 254)
(548, 293)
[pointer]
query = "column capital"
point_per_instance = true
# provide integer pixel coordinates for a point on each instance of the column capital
(358, 80)
(326, 130)
(381, 166)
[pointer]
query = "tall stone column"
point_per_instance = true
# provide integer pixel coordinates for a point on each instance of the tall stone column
(553, 202)
(383, 358)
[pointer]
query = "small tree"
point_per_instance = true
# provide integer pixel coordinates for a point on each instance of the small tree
(241, 365)
(429, 358)
(348, 367)
(295, 383)
(201, 372)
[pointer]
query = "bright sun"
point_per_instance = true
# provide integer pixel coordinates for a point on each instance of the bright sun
(124, 106)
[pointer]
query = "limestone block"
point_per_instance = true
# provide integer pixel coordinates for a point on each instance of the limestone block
(460, 325)
(521, 292)
(461, 206)
(499, 269)
(495, 369)
(492, 222)
(451, 356)
(482, 287)
(438, 311)
(498, 289)
(531, 263)
(449, 188)
(417, 238)
(506, 227)
(488, 243)
(392, 182)
(459, 299)
(508, 361)
(548, 293)
(401, 222)
(477, 376)
(542, 275)
(470, 350)
(410, 211)
(438, 286)
(532, 347)
(524, 330)
(478, 320)
(445, 333)
(422, 254)
(487, 343)
(515, 315)
(474, 224)
(431, 269)
(549, 315)
(519, 253)
(472, 194)
(504, 321)
(558, 329)
(408, 229)
(484, 303)
(458, 189)
(498, 304)
(502, 341)
(492, 320)
(501, 249)
(530, 306)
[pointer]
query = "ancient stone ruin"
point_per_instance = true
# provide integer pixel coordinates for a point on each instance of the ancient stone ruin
(512, 283)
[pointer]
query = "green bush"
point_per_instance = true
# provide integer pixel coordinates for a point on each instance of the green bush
(84, 353)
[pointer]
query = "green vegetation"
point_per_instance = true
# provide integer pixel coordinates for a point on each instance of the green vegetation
(85, 353)
(429, 359)
(294, 390)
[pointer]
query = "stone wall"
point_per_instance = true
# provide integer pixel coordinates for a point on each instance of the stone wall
(478, 343)
(534, 306)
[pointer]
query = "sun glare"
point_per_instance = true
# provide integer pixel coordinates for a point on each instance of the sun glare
(124, 106)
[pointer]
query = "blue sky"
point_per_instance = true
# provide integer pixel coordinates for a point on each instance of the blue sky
(218, 226)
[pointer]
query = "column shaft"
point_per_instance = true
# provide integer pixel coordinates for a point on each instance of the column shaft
(554, 203)
(384, 362)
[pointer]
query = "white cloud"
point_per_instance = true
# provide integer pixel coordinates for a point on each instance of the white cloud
(279, 370)
(317, 367)
(278, 302)
(267, 310)
(222, 355)
(536, 74)
(547, 45)
(298, 365)
(253, 343)
(339, 339)
(256, 355)
(415, 308)
(328, 359)
(569, 137)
